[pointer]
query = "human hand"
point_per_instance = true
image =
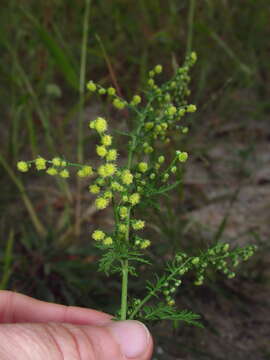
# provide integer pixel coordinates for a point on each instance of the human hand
(33, 329)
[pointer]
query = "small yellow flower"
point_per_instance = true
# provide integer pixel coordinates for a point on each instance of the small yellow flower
(171, 110)
(107, 195)
(138, 224)
(181, 112)
(98, 235)
(40, 163)
(111, 155)
(22, 166)
(101, 150)
(85, 171)
(56, 161)
(106, 140)
(110, 169)
(136, 100)
(111, 91)
(91, 86)
(161, 159)
(143, 167)
(102, 91)
(122, 228)
(100, 125)
(92, 124)
(52, 171)
(134, 199)
(64, 173)
(118, 104)
(108, 241)
(144, 244)
(148, 149)
(101, 203)
(127, 177)
(116, 186)
(183, 156)
(191, 108)
(158, 69)
(63, 163)
(193, 56)
(94, 189)
(123, 212)
(149, 125)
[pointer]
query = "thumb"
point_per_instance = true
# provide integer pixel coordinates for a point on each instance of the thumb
(55, 341)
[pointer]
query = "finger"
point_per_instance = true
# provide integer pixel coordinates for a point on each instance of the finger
(117, 341)
(16, 308)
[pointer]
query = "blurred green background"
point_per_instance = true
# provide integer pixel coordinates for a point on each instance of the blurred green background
(44, 109)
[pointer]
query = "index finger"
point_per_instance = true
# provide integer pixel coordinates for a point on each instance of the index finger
(17, 308)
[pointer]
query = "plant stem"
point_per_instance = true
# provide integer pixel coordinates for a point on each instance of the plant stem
(124, 290)
(191, 12)
(80, 154)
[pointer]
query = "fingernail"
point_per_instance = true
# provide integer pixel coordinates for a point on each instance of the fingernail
(132, 336)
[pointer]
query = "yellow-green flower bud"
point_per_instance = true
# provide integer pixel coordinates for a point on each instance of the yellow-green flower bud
(111, 91)
(102, 91)
(94, 189)
(101, 150)
(111, 155)
(136, 100)
(116, 186)
(138, 225)
(64, 173)
(22, 166)
(118, 104)
(193, 57)
(108, 195)
(149, 125)
(191, 108)
(91, 86)
(161, 159)
(158, 69)
(40, 163)
(171, 110)
(134, 199)
(52, 171)
(143, 167)
(98, 235)
(101, 203)
(123, 212)
(106, 140)
(56, 161)
(108, 241)
(183, 156)
(122, 228)
(126, 177)
(145, 244)
(100, 125)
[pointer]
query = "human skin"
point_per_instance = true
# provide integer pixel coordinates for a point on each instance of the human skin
(34, 329)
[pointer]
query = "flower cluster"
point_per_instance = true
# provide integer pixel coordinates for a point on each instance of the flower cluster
(147, 174)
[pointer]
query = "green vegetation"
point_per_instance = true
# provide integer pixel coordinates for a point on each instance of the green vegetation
(50, 50)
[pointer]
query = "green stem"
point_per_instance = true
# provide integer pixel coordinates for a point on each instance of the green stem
(190, 25)
(157, 289)
(80, 154)
(124, 290)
